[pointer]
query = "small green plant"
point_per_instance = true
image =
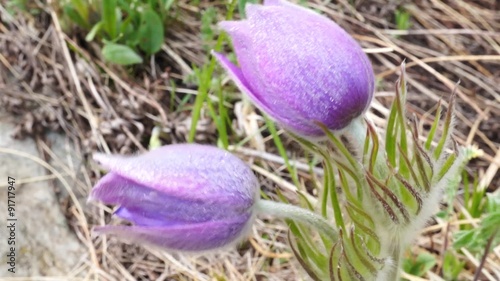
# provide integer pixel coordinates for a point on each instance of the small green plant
(452, 265)
(474, 198)
(208, 20)
(125, 27)
(479, 240)
(402, 19)
(15, 6)
(203, 78)
(419, 265)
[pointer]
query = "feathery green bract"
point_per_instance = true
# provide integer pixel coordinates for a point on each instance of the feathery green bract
(381, 192)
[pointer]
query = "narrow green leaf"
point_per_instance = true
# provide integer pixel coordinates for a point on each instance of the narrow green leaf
(303, 262)
(109, 17)
(392, 196)
(333, 265)
(414, 193)
(390, 212)
(465, 181)
(492, 220)
(282, 150)
(375, 148)
(421, 169)
(434, 127)
(401, 122)
(328, 165)
(390, 136)
(452, 266)
(493, 202)
(346, 187)
(367, 231)
(447, 129)
(328, 187)
(224, 118)
(202, 95)
(355, 245)
(477, 205)
(93, 32)
(463, 238)
(338, 144)
(412, 172)
(75, 17)
(83, 9)
(446, 166)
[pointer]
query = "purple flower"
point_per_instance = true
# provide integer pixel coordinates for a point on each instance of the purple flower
(299, 67)
(185, 197)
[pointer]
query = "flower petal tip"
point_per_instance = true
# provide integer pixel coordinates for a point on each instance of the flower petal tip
(99, 230)
(273, 3)
(98, 157)
(229, 26)
(102, 159)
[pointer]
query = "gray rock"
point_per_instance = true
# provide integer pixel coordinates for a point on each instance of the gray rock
(44, 245)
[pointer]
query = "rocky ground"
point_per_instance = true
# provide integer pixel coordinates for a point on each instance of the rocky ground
(41, 240)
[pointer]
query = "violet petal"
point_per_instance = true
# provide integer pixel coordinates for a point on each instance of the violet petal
(185, 237)
(187, 171)
(138, 202)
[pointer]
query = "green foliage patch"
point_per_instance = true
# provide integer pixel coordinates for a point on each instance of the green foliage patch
(127, 28)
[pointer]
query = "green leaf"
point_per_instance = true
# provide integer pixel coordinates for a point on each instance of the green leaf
(151, 34)
(493, 204)
(93, 32)
(434, 127)
(208, 19)
(463, 238)
(421, 265)
(282, 150)
(166, 5)
(109, 17)
(452, 266)
(120, 54)
(402, 19)
(82, 8)
(124, 6)
(490, 222)
(305, 264)
(74, 16)
(202, 96)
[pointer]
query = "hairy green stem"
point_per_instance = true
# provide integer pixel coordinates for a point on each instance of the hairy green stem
(395, 270)
(299, 214)
(357, 131)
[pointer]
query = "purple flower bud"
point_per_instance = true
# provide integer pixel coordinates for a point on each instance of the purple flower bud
(185, 197)
(299, 67)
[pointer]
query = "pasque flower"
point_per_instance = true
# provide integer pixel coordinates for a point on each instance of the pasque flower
(299, 67)
(185, 197)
